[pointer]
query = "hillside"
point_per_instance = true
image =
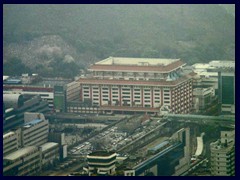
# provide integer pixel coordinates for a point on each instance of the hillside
(40, 35)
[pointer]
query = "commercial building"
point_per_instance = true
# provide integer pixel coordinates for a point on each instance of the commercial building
(26, 149)
(221, 76)
(137, 85)
(226, 86)
(29, 160)
(202, 98)
(223, 155)
(49, 154)
(46, 93)
(11, 142)
(59, 137)
(23, 162)
(101, 162)
(59, 98)
(16, 105)
(73, 91)
(35, 132)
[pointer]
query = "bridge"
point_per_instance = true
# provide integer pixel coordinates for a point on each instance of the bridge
(143, 166)
(202, 118)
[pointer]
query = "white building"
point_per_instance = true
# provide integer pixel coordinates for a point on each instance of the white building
(223, 155)
(50, 153)
(11, 142)
(23, 162)
(35, 132)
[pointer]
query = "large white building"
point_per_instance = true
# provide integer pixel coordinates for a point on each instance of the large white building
(137, 85)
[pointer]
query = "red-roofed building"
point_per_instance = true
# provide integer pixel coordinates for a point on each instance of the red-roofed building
(137, 85)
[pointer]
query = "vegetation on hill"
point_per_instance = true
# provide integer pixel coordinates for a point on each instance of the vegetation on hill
(79, 35)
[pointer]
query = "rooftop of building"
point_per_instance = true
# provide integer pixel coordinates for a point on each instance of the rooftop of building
(48, 145)
(217, 145)
(5, 78)
(137, 64)
(20, 153)
(32, 123)
(159, 146)
(102, 153)
(137, 61)
(8, 134)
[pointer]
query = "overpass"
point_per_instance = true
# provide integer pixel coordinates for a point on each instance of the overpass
(191, 117)
(145, 165)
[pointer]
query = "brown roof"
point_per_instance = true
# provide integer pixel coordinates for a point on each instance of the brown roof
(135, 68)
(132, 82)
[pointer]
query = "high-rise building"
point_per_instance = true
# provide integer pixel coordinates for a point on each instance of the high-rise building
(59, 98)
(223, 155)
(137, 85)
(226, 88)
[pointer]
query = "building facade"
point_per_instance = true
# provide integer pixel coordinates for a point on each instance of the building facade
(137, 85)
(49, 154)
(101, 162)
(226, 86)
(35, 132)
(223, 155)
(23, 162)
(11, 142)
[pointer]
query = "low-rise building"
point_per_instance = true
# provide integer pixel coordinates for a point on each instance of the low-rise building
(101, 162)
(23, 162)
(50, 154)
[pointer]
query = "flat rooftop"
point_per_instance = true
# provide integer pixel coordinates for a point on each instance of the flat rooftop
(48, 145)
(8, 134)
(20, 153)
(126, 64)
(32, 123)
(101, 153)
(137, 61)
